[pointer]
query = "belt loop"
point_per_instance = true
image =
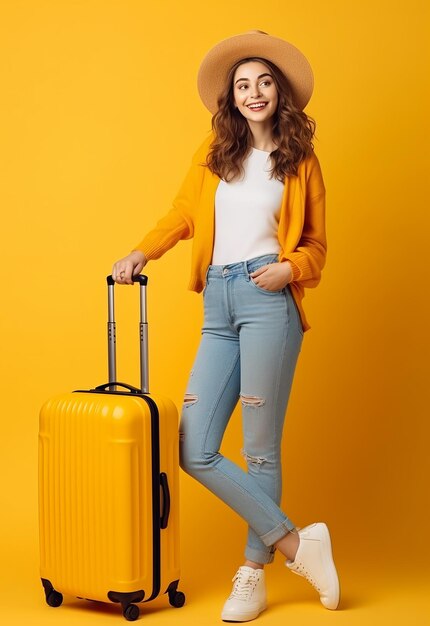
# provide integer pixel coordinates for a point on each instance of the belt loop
(246, 268)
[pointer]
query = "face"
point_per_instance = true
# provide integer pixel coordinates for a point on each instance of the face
(254, 91)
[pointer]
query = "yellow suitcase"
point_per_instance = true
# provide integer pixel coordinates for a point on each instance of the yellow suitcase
(109, 489)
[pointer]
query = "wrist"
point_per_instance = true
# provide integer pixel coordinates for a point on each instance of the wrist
(295, 270)
(289, 271)
(140, 254)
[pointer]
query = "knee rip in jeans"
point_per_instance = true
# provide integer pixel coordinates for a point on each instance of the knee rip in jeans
(252, 401)
(258, 460)
(190, 399)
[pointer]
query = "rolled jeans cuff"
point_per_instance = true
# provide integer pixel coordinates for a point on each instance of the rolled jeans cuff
(252, 554)
(277, 533)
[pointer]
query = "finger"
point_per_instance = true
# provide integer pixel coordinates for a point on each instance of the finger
(138, 268)
(114, 271)
(128, 274)
(119, 275)
(260, 270)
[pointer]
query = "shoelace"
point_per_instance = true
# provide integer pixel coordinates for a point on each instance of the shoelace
(244, 584)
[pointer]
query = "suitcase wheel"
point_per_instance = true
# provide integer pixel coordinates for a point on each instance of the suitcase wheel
(177, 599)
(131, 612)
(54, 598)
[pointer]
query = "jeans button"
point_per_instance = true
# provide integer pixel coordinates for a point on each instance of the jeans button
(225, 272)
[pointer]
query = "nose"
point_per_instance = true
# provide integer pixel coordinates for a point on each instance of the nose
(255, 91)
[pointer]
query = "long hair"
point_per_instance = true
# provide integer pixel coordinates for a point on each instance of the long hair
(292, 131)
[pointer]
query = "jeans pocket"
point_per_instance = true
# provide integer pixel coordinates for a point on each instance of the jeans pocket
(265, 260)
(266, 291)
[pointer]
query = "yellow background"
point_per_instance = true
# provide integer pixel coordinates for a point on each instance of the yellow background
(99, 118)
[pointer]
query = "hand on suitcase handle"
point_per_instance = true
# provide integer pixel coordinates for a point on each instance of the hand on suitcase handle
(124, 269)
(142, 279)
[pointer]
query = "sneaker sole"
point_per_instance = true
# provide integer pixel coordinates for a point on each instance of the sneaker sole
(245, 617)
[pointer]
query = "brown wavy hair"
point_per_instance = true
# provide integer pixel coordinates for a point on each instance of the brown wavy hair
(292, 131)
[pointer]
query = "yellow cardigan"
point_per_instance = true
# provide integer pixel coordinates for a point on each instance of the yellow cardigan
(301, 230)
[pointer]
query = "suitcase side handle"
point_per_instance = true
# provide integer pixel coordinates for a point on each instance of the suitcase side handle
(143, 332)
(166, 500)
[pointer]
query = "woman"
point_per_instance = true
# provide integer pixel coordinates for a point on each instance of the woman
(254, 203)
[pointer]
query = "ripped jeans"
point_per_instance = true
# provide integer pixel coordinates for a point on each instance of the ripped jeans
(251, 339)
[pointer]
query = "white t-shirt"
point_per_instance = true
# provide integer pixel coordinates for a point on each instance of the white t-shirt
(247, 213)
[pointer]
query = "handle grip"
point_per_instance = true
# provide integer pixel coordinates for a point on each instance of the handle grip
(116, 383)
(166, 500)
(138, 278)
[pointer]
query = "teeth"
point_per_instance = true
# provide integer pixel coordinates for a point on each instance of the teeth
(256, 106)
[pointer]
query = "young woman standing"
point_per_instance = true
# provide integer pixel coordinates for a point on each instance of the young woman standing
(253, 201)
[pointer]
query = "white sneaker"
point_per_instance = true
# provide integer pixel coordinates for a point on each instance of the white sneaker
(248, 597)
(314, 561)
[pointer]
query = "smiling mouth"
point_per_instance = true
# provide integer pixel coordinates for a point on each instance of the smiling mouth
(258, 106)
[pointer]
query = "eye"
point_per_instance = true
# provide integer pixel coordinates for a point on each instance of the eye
(266, 82)
(243, 85)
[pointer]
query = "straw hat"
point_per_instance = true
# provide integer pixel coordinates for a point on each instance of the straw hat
(214, 68)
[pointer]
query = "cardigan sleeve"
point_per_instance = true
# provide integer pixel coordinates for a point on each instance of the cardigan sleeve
(309, 257)
(178, 223)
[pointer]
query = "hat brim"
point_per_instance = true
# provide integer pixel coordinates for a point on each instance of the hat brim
(215, 66)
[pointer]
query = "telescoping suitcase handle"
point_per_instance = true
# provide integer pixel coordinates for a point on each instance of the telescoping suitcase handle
(143, 333)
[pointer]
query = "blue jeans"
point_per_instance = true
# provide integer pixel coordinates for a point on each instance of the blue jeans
(251, 339)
